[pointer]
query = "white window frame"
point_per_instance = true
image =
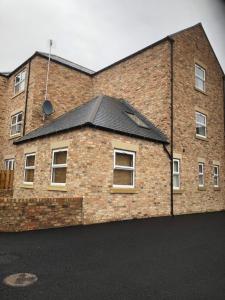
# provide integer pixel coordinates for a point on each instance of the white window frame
(56, 166)
(199, 77)
(17, 123)
(177, 173)
(202, 124)
(125, 168)
(201, 174)
(216, 175)
(20, 82)
(9, 161)
(28, 167)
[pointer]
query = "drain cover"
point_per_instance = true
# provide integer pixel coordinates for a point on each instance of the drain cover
(20, 279)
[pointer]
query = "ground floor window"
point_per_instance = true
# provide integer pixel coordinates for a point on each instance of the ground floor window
(29, 168)
(201, 174)
(176, 174)
(59, 167)
(216, 176)
(9, 164)
(124, 169)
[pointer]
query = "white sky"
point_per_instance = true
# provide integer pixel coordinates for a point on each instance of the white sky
(96, 33)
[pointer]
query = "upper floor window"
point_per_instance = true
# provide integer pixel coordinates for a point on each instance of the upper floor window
(9, 164)
(16, 123)
(176, 174)
(201, 174)
(200, 78)
(124, 168)
(29, 168)
(200, 124)
(19, 84)
(216, 176)
(59, 167)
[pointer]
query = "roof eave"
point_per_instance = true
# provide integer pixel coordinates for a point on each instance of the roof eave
(91, 125)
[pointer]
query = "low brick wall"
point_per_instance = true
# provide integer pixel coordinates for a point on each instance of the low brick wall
(31, 214)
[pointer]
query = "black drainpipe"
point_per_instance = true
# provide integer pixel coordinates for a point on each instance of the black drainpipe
(26, 98)
(171, 126)
(224, 101)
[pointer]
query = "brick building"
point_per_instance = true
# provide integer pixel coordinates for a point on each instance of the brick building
(152, 145)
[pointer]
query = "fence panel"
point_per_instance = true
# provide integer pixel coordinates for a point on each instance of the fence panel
(6, 179)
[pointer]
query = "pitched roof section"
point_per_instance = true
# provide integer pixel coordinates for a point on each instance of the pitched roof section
(66, 62)
(104, 113)
(89, 72)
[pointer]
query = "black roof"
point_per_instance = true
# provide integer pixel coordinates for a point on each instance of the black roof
(66, 62)
(102, 112)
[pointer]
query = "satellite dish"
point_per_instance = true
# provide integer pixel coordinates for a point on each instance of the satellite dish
(47, 108)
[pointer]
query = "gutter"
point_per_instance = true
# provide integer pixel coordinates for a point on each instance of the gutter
(26, 98)
(171, 122)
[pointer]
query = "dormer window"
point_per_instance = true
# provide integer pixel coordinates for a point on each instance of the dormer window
(137, 120)
(19, 84)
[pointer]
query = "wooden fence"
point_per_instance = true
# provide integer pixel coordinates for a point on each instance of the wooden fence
(6, 179)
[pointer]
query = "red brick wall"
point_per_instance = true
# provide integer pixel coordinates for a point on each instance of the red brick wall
(39, 213)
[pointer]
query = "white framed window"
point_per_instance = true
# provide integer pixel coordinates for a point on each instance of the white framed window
(124, 169)
(176, 174)
(9, 164)
(29, 168)
(59, 167)
(19, 83)
(16, 123)
(216, 176)
(200, 124)
(199, 78)
(201, 174)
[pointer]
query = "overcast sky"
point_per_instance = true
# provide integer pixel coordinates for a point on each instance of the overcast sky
(96, 33)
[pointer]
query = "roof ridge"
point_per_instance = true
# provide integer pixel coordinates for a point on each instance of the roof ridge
(93, 112)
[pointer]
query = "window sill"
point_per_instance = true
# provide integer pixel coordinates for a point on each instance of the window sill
(178, 191)
(19, 93)
(123, 191)
(15, 136)
(216, 188)
(27, 186)
(200, 91)
(202, 188)
(202, 138)
(57, 188)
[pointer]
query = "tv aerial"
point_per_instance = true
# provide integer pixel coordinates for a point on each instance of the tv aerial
(47, 107)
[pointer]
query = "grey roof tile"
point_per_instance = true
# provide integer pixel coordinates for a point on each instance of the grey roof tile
(66, 62)
(102, 112)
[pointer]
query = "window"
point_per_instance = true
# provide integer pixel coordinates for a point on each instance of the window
(199, 78)
(137, 120)
(16, 124)
(59, 167)
(29, 168)
(201, 175)
(176, 174)
(19, 84)
(216, 176)
(124, 167)
(200, 124)
(9, 164)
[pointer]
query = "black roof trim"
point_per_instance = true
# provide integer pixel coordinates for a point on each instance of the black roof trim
(199, 24)
(132, 55)
(89, 72)
(44, 55)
